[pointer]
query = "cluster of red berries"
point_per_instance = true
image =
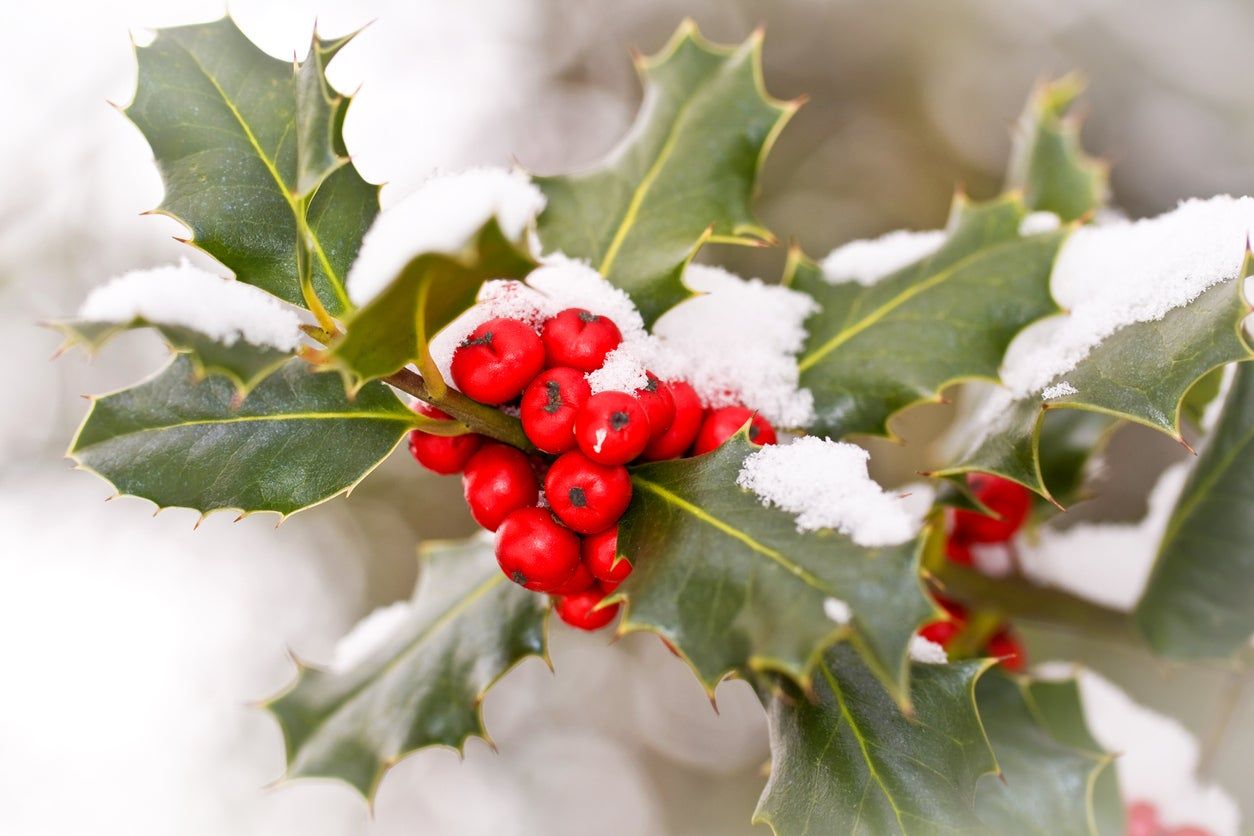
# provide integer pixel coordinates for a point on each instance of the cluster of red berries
(1143, 820)
(568, 549)
(1012, 503)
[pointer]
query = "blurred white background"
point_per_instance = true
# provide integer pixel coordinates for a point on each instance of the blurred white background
(135, 645)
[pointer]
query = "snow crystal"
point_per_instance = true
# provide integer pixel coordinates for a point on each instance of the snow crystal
(1058, 390)
(824, 483)
(1112, 275)
(1108, 563)
(183, 295)
(837, 610)
(1035, 223)
(1158, 757)
(441, 216)
(992, 559)
(868, 261)
(927, 651)
(737, 342)
(369, 634)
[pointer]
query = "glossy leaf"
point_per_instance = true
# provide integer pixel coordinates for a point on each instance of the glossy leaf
(424, 683)
(1198, 600)
(242, 362)
(1140, 373)
(1054, 778)
(874, 350)
(1047, 161)
(684, 174)
(252, 157)
(849, 761)
(733, 585)
(295, 441)
(394, 328)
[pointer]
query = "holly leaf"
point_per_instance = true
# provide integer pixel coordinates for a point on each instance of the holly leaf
(684, 175)
(1197, 602)
(296, 440)
(243, 363)
(253, 160)
(847, 760)
(1054, 778)
(1201, 395)
(433, 289)
(874, 350)
(1047, 161)
(733, 584)
(1140, 373)
(424, 684)
(1071, 442)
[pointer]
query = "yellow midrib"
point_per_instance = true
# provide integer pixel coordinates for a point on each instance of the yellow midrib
(297, 212)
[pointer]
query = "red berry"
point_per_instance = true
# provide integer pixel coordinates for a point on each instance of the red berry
(579, 580)
(587, 496)
(679, 435)
(940, 631)
(599, 554)
(1005, 646)
(655, 396)
(612, 428)
(1142, 820)
(549, 406)
(498, 480)
(536, 551)
(444, 454)
(958, 551)
(608, 587)
(497, 360)
(579, 339)
(721, 424)
(578, 610)
(1009, 500)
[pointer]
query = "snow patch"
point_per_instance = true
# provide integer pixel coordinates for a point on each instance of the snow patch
(1108, 563)
(441, 216)
(927, 651)
(1060, 389)
(869, 260)
(1112, 275)
(824, 484)
(837, 610)
(737, 342)
(369, 634)
(182, 295)
(1036, 223)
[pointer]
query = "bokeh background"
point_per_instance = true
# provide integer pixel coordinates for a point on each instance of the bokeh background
(133, 645)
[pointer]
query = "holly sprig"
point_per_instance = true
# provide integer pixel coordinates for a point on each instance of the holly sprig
(252, 154)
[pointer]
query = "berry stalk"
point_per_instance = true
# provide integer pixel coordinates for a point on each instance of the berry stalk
(477, 417)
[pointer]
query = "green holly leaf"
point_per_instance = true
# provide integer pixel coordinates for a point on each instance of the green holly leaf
(251, 153)
(874, 350)
(241, 362)
(1048, 162)
(1071, 441)
(733, 585)
(1197, 602)
(849, 761)
(1140, 373)
(684, 175)
(433, 289)
(424, 684)
(1054, 778)
(296, 440)
(1201, 395)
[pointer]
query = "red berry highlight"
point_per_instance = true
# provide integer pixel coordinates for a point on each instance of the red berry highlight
(586, 495)
(498, 480)
(497, 361)
(683, 428)
(549, 406)
(612, 428)
(579, 339)
(1009, 500)
(1007, 647)
(655, 396)
(721, 424)
(599, 553)
(444, 454)
(579, 610)
(535, 551)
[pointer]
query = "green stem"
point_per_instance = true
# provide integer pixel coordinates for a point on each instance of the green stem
(482, 419)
